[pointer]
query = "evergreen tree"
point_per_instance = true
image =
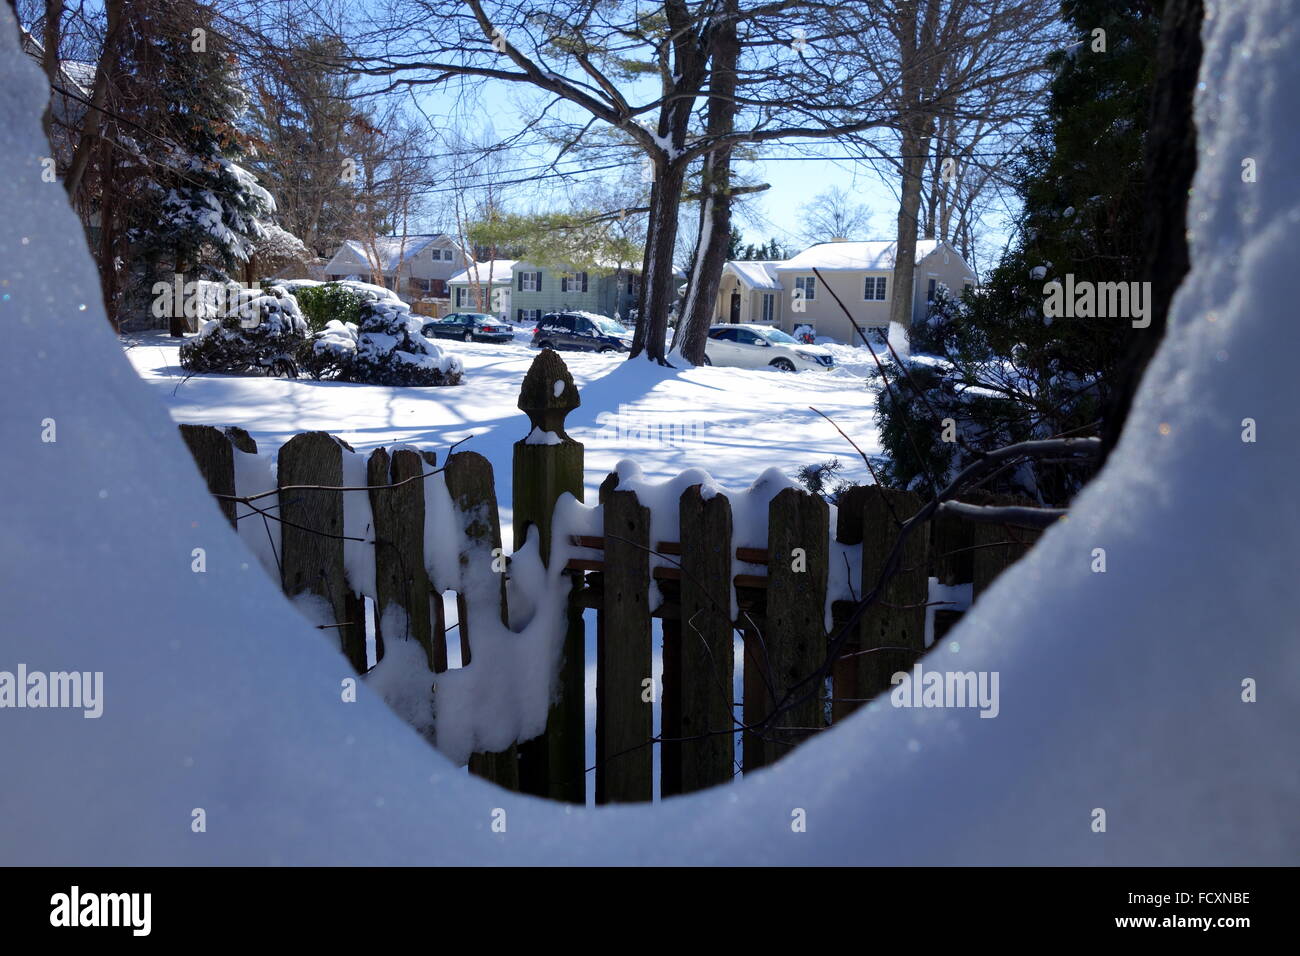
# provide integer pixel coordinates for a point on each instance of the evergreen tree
(182, 93)
(734, 247)
(1000, 368)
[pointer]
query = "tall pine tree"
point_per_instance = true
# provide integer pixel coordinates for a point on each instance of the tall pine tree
(183, 99)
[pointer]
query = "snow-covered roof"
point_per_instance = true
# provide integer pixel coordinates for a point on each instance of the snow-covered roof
(830, 256)
(390, 250)
(77, 74)
(499, 269)
(601, 265)
(757, 273)
(80, 72)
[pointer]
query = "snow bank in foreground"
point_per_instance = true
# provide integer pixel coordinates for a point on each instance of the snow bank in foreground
(1119, 691)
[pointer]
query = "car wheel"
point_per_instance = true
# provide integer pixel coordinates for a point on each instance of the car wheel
(545, 345)
(469, 336)
(782, 365)
(606, 348)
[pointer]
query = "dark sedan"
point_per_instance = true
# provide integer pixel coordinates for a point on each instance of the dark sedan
(469, 327)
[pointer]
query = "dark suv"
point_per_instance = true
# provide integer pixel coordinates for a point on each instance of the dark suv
(581, 331)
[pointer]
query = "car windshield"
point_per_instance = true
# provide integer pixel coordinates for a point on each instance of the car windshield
(610, 327)
(776, 335)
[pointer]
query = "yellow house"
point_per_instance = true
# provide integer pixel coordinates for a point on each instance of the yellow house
(789, 293)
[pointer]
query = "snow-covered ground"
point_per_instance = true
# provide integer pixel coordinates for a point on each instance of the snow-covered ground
(732, 422)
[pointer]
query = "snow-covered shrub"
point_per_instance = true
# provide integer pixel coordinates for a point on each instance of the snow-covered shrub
(370, 291)
(330, 353)
(277, 249)
(384, 347)
(392, 351)
(938, 415)
(260, 329)
(331, 302)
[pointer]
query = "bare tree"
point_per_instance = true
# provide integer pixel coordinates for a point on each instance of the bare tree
(593, 59)
(833, 214)
(962, 69)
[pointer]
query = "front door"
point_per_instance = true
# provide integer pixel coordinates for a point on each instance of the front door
(735, 307)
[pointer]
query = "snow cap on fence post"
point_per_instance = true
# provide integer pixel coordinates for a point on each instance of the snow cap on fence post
(548, 393)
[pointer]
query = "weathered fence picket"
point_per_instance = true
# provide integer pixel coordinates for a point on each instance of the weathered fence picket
(892, 631)
(780, 615)
(473, 491)
(995, 547)
(794, 636)
(401, 579)
(702, 666)
(214, 453)
(311, 534)
(624, 717)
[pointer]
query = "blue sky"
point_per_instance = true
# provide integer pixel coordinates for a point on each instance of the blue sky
(775, 212)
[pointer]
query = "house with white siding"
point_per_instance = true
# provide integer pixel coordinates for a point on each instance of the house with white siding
(483, 287)
(789, 293)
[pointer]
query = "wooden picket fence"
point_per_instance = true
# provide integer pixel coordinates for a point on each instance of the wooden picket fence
(781, 607)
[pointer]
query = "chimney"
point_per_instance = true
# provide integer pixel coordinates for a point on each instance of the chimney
(838, 239)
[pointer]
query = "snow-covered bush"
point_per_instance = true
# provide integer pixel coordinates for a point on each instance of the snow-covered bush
(260, 329)
(329, 353)
(278, 249)
(392, 351)
(384, 347)
(370, 291)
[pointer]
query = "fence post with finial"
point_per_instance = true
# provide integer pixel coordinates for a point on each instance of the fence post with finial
(547, 463)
